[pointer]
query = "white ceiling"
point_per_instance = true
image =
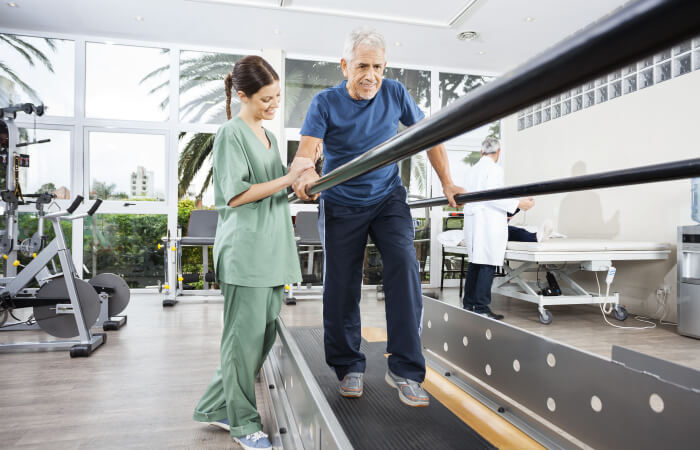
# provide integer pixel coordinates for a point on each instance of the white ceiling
(417, 32)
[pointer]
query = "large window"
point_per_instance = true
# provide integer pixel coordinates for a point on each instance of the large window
(303, 80)
(463, 151)
(416, 81)
(49, 163)
(202, 95)
(127, 83)
(123, 141)
(127, 245)
(456, 85)
(127, 166)
(38, 70)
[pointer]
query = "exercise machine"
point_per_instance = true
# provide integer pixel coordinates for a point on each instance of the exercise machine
(63, 304)
(308, 243)
(201, 231)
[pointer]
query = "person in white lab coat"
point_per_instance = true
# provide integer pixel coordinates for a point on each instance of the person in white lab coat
(486, 229)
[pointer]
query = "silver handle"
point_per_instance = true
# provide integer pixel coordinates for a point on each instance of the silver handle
(688, 280)
(690, 251)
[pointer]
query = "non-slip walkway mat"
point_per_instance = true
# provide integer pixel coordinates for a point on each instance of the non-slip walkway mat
(378, 419)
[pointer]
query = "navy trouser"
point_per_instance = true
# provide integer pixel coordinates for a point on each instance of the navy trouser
(520, 235)
(477, 287)
(344, 232)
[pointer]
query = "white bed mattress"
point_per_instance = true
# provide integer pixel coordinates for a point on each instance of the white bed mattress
(586, 245)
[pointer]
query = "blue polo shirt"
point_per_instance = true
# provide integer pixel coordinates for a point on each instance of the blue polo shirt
(351, 127)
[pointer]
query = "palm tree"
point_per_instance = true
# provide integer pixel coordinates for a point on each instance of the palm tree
(203, 74)
(197, 150)
(454, 85)
(31, 54)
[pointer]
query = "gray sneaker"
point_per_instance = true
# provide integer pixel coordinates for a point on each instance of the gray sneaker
(411, 392)
(351, 386)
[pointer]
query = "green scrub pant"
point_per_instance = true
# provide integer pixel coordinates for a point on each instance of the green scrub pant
(249, 332)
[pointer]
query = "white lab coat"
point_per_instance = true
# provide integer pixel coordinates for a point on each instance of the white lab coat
(486, 223)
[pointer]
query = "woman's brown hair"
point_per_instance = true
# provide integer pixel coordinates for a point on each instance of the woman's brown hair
(249, 75)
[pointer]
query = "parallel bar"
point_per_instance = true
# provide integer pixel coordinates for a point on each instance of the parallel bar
(610, 43)
(676, 170)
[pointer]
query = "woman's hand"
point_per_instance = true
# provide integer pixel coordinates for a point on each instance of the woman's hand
(299, 166)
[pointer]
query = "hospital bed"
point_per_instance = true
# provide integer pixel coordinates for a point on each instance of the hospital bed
(562, 258)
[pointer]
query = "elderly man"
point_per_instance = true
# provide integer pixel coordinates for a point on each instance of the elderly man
(348, 120)
(486, 229)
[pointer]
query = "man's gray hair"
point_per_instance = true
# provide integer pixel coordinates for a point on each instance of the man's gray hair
(490, 145)
(362, 36)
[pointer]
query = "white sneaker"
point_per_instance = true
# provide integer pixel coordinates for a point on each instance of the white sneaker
(223, 424)
(545, 230)
(255, 441)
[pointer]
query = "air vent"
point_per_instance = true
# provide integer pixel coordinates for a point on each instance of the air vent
(467, 35)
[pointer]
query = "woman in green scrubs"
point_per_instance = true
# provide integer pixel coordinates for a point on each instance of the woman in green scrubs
(255, 253)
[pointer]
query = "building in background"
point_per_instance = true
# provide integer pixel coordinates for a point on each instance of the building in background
(142, 183)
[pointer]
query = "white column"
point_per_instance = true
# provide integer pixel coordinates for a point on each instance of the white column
(80, 174)
(435, 187)
(275, 57)
(172, 153)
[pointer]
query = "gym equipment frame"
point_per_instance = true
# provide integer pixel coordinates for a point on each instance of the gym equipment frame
(50, 310)
(64, 306)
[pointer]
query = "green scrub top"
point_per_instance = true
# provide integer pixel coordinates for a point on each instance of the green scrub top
(254, 243)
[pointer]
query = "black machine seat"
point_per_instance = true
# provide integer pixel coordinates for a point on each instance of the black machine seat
(201, 228)
(307, 228)
(306, 232)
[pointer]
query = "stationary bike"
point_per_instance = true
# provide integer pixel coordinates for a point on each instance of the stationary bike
(63, 304)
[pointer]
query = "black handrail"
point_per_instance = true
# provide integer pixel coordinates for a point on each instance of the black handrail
(630, 33)
(688, 168)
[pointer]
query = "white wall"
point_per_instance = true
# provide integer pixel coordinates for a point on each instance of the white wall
(657, 124)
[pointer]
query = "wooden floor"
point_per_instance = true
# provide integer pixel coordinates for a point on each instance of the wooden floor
(139, 390)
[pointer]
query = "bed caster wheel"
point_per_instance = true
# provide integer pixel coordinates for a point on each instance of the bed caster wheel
(169, 302)
(546, 317)
(290, 301)
(78, 351)
(620, 313)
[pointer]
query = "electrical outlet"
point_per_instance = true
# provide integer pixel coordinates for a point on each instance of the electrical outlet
(664, 289)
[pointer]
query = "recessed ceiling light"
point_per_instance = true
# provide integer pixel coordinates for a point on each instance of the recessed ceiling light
(397, 44)
(467, 35)
(12, 5)
(276, 31)
(481, 52)
(139, 18)
(529, 19)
